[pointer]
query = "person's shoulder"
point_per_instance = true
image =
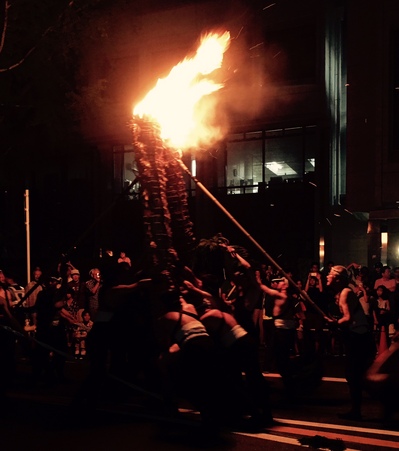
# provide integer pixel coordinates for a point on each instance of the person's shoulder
(347, 292)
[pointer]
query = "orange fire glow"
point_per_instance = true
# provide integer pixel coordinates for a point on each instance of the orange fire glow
(181, 103)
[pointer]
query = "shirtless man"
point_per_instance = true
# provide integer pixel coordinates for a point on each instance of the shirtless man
(239, 351)
(285, 323)
(188, 359)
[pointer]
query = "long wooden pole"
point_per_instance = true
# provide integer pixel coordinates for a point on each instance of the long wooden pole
(27, 225)
(303, 293)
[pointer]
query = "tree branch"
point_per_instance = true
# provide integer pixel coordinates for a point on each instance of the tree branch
(32, 49)
(5, 22)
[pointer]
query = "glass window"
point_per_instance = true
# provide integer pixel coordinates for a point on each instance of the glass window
(130, 171)
(283, 155)
(284, 158)
(311, 142)
(190, 162)
(125, 171)
(252, 158)
(244, 166)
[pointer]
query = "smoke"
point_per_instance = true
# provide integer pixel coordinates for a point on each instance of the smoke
(252, 79)
(252, 90)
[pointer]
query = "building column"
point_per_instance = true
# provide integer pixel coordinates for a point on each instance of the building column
(374, 242)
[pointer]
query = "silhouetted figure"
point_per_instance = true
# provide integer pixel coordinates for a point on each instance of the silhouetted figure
(358, 340)
(239, 353)
(189, 359)
(7, 344)
(50, 330)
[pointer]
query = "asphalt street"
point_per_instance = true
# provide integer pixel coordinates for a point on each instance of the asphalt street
(43, 418)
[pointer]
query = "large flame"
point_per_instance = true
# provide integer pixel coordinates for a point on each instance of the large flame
(180, 103)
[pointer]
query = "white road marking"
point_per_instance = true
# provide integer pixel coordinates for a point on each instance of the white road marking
(339, 427)
(326, 379)
(277, 438)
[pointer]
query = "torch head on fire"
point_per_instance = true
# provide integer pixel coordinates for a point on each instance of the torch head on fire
(181, 103)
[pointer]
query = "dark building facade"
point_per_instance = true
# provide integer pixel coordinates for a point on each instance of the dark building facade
(309, 162)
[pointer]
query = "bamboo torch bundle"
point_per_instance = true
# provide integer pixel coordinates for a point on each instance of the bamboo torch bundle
(149, 153)
(163, 191)
(182, 227)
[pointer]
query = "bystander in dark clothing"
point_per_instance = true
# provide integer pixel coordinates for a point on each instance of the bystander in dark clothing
(93, 286)
(358, 339)
(48, 361)
(246, 301)
(285, 325)
(314, 322)
(79, 289)
(382, 313)
(8, 324)
(240, 355)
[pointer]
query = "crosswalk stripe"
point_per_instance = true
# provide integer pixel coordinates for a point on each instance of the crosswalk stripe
(278, 438)
(325, 379)
(274, 438)
(318, 430)
(336, 435)
(339, 426)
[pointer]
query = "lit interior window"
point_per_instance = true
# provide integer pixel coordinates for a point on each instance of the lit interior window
(194, 167)
(321, 249)
(384, 247)
(280, 168)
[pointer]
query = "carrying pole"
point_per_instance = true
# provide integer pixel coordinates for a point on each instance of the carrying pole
(247, 234)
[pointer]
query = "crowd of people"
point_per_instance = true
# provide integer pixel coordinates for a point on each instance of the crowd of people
(196, 332)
